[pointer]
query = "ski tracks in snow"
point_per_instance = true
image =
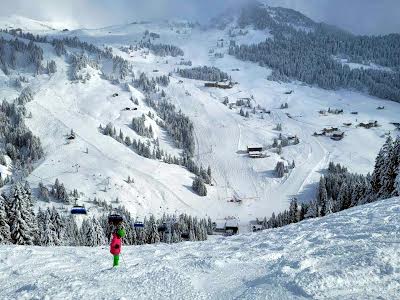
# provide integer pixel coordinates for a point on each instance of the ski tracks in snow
(335, 257)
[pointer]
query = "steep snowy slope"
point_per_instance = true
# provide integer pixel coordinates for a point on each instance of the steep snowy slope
(222, 135)
(354, 254)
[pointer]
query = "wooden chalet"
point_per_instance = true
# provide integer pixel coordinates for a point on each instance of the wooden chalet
(369, 125)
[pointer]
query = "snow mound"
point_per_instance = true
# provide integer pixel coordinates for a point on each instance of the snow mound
(354, 254)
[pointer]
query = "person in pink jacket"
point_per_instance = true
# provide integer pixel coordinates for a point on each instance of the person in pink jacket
(116, 244)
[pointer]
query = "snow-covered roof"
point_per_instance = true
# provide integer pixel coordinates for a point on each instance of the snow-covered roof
(232, 223)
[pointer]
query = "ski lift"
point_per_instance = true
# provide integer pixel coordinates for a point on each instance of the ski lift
(78, 210)
(115, 219)
(138, 224)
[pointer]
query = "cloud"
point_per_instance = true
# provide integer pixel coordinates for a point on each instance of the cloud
(358, 16)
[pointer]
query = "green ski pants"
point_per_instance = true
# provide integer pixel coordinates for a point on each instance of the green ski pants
(116, 260)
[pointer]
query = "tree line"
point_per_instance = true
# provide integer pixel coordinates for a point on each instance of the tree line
(339, 189)
(204, 73)
(20, 225)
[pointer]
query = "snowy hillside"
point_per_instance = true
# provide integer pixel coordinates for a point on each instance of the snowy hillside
(98, 166)
(349, 255)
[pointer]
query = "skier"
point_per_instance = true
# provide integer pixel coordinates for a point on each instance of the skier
(116, 243)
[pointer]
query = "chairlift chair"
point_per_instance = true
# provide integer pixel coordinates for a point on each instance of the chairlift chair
(138, 224)
(115, 219)
(78, 210)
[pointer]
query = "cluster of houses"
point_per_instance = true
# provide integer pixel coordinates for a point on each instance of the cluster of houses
(333, 132)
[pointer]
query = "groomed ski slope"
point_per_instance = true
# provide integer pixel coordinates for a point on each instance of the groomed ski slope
(354, 254)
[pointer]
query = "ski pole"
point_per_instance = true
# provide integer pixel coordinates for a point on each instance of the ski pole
(123, 260)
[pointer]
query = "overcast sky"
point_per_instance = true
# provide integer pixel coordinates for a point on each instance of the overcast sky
(358, 16)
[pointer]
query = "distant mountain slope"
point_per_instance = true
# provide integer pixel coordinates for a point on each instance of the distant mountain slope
(301, 49)
(354, 254)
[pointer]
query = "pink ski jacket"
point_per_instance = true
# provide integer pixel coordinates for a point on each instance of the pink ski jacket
(116, 243)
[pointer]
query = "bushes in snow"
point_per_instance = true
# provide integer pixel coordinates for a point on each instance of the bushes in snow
(204, 73)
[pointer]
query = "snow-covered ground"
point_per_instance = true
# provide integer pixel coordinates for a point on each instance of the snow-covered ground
(222, 135)
(354, 254)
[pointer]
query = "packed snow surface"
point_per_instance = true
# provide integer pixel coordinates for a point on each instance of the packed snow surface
(354, 254)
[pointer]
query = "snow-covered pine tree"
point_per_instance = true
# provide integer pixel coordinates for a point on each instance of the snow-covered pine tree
(5, 234)
(378, 175)
(280, 169)
(23, 226)
(397, 183)
(152, 232)
(71, 232)
(59, 226)
(293, 211)
(92, 233)
(313, 210)
(48, 233)
(199, 187)
(322, 196)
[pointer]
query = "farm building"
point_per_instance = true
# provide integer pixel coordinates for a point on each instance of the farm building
(253, 148)
(368, 125)
(232, 226)
(227, 226)
(255, 151)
